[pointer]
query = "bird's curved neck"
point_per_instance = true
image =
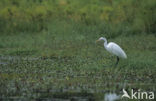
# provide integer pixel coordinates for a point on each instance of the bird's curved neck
(105, 42)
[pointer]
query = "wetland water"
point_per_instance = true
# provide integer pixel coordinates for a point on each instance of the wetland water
(59, 79)
(67, 97)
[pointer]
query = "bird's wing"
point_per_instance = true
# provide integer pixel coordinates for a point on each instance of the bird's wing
(116, 50)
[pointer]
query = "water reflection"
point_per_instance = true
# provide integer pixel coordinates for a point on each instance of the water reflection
(111, 97)
(68, 97)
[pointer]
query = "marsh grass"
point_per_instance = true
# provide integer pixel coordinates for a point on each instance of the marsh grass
(65, 58)
(48, 49)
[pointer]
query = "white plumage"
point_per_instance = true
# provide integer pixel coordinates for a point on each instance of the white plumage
(114, 49)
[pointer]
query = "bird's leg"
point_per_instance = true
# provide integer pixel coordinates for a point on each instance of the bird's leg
(117, 61)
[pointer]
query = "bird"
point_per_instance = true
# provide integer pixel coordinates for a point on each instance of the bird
(114, 49)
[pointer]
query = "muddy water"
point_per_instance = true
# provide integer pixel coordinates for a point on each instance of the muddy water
(67, 97)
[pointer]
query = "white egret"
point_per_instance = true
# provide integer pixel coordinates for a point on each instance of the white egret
(114, 49)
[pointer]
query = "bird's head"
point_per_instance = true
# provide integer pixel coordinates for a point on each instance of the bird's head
(101, 38)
